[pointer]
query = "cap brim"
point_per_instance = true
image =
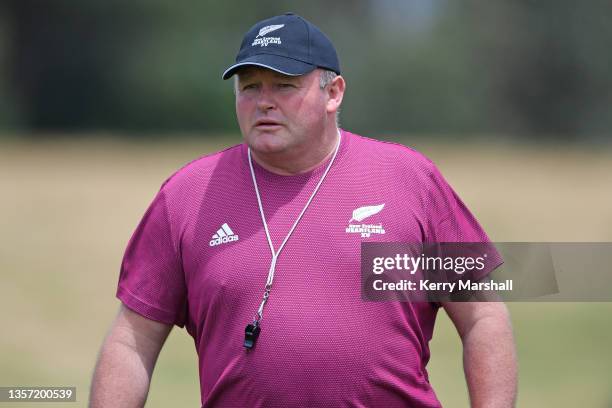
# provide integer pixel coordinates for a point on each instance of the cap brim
(284, 65)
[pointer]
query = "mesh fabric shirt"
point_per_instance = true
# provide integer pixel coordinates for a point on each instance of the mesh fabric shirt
(199, 258)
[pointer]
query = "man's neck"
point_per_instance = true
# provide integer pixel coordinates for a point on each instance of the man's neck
(300, 162)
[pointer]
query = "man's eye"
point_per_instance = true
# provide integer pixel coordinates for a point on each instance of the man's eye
(286, 85)
(249, 86)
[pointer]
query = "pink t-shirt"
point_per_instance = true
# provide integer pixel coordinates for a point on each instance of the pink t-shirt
(199, 258)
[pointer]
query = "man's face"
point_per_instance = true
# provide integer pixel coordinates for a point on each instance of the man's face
(279, 113)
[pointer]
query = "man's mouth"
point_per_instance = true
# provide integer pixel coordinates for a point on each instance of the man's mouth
(264, 124)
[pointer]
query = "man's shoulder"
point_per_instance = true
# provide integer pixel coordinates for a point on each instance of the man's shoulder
(391, 153)
(201, 169)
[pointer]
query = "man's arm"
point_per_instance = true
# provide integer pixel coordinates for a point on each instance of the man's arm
(489, 356)
(127, 358)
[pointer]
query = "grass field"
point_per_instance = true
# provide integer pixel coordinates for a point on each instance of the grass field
(68, 209)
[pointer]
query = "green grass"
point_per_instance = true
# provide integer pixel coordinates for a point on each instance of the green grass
(68, 209)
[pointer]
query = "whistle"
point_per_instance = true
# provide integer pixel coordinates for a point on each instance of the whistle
(251, 332)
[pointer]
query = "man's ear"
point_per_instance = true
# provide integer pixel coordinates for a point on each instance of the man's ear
(335, 93)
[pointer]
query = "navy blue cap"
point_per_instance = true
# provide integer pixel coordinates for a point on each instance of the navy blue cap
(288, 44)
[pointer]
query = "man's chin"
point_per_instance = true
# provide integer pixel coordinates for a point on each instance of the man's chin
(267, 142)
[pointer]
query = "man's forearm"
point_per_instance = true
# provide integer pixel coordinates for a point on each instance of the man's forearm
(121, 377)
(489, 361)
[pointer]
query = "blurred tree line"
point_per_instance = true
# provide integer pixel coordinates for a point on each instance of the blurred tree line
(516, 67)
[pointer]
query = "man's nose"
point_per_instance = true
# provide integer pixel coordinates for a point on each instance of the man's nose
(265, 98)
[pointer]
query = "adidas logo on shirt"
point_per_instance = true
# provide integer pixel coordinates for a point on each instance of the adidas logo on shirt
(223, 236)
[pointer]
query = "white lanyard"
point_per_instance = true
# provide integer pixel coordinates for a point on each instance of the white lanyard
(275, 254)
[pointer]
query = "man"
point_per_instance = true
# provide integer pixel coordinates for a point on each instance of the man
(252, 251)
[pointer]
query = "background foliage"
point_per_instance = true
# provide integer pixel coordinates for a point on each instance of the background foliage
(536, 69)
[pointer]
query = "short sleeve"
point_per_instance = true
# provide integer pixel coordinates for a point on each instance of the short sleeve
(151, 281)
(449, 220)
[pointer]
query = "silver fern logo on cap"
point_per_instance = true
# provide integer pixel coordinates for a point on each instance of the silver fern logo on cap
(268, 29)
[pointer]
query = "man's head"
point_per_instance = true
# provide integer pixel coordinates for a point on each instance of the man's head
(287, 85)
(278, 112)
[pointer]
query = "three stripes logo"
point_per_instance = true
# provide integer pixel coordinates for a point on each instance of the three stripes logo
(223, 236)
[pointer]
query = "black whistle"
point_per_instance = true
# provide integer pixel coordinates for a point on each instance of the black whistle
(251, 332)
